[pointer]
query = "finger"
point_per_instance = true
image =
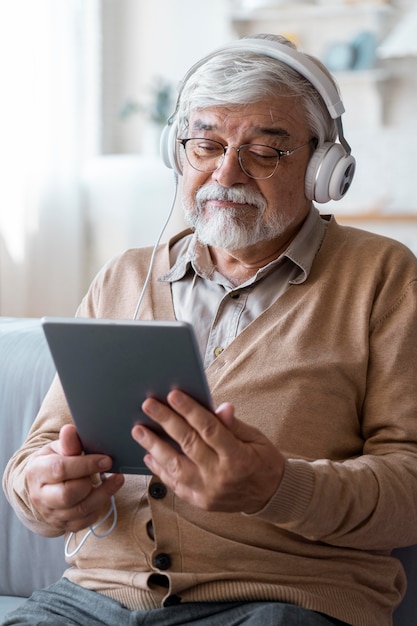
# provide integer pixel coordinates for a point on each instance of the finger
(173, 468)
(69, 445)
(218, 432)
(51, 467)
(161, 454)
(70, 493)
(226, 413)
(70, 508)
(191, 434)
(69, 441)
(226, 436)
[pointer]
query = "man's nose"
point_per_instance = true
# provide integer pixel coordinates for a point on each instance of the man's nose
(230, 172)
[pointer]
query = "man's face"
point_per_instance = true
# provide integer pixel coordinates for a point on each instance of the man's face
(227, 208)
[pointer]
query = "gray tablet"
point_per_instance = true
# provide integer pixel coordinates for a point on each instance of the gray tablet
(108, 367)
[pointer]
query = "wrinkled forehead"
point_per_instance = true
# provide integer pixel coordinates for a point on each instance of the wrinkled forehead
(278, 117)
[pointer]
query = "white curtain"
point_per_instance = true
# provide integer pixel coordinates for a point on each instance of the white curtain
(49, 127)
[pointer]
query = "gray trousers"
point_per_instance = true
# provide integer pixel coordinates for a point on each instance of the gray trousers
(66, 604)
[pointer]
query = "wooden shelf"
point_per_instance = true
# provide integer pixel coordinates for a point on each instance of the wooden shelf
(304, 11)
(376, 217)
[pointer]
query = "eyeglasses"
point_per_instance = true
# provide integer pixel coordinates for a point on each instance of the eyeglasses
(256, 160)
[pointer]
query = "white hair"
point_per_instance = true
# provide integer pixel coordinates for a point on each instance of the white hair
(234, 77)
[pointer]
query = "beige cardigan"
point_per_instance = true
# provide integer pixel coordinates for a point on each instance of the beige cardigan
(328, 373)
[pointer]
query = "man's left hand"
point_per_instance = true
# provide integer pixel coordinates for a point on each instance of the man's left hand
(225, 465)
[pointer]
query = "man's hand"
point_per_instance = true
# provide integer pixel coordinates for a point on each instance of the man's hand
(62, 486)
(226, 464)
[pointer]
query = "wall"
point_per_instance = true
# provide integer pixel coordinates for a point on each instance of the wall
(128, 190)
(146, 39)
(163, 38)
(380, 122)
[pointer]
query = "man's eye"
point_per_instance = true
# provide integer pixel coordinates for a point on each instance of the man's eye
(262, 152)
(207, 148)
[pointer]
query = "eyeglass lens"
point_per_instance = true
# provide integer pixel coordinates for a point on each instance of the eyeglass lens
(207, 155)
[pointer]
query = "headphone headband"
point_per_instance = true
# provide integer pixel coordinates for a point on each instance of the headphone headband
(331, 168)
(299, 61)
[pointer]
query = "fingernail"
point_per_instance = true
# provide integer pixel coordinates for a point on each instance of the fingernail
(177, 397)
(119, 480)
(105, 463)
(151, 406)
(139, 432)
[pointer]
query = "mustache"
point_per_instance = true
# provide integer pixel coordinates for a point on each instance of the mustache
(240, 194)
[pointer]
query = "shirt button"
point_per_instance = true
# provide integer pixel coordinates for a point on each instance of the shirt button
(158, 491)
(218, 350)
(162, 561)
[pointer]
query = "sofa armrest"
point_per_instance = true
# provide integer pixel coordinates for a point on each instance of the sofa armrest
(27, 561)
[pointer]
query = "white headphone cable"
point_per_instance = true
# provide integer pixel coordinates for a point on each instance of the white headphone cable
(113, 510)
(151, 263)
(92, 530)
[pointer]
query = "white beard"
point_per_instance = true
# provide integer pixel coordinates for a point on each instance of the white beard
(233, 228)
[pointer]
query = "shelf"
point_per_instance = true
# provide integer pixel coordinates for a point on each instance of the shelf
(377, 217)
(249, 11)
(344, 35)
(365, 77)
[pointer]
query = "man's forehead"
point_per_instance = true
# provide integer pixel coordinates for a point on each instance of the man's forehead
(263, 119)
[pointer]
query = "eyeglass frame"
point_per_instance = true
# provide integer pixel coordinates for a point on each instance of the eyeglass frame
(280, 154)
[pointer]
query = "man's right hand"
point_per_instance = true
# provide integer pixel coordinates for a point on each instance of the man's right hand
(64, 484)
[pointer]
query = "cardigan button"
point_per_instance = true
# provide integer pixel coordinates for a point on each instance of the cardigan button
(157, 491)
(162, 561)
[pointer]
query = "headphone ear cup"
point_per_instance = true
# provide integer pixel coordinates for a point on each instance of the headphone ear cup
(320, 170)
(329, 173)
(169, 148)
(342, 177)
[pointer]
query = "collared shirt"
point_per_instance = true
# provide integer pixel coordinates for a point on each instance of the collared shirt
(219, 310)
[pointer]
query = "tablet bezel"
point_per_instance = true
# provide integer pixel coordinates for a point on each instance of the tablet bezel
(108, 367)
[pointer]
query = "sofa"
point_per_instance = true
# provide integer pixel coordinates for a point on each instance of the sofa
(28, 561)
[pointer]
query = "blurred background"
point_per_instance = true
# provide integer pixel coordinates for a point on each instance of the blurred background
(86, 87)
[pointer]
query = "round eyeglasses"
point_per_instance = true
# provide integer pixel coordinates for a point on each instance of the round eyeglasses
(256, 160)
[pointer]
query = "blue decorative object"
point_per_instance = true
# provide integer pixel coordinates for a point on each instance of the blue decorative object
(364, 46)
(340, 57)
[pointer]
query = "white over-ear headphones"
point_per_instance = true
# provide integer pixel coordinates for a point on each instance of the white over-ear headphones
(331, 168)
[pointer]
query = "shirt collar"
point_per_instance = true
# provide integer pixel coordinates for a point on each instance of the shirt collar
(190, 253)
(305, 245)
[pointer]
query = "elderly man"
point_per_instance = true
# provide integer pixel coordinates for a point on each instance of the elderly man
(284, 504)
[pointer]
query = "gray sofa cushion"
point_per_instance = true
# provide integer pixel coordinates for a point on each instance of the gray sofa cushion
(27, 561)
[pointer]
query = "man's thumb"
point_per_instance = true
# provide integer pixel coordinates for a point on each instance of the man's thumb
(69, 441)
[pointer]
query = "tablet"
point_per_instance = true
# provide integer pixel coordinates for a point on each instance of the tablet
(108, 367)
